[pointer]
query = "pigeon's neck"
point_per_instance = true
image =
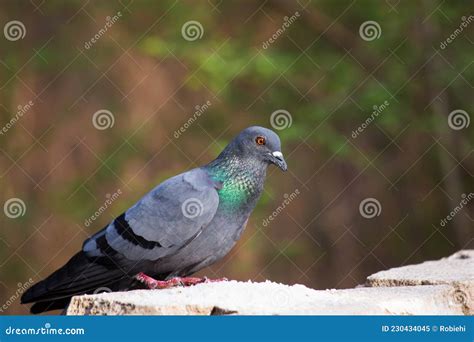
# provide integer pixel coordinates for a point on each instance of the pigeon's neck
(242, 180)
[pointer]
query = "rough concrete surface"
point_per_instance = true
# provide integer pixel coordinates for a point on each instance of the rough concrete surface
(443, 287)
(458, 268)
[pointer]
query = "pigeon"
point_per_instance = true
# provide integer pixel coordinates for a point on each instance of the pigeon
(183, 225)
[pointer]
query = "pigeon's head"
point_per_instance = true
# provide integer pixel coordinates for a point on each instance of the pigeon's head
(261, 143)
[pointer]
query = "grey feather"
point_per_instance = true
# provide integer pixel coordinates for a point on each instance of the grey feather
(170, 215)
(166, 214)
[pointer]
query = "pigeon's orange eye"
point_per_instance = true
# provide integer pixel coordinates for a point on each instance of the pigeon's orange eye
(260, 140)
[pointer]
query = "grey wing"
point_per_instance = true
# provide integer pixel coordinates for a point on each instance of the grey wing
(163, 221)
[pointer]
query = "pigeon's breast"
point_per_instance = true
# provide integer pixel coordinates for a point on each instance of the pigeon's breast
(239, 192)
(242, 182)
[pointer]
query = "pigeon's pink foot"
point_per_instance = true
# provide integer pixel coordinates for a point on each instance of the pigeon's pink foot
(152, 283)
(188, 281)
(173, 282)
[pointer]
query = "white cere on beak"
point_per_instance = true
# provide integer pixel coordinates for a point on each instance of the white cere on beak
(277, 154)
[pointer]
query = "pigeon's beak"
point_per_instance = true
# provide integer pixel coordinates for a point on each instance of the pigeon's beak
(277, 159)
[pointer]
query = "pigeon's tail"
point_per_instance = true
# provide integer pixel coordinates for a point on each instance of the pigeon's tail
(80, 275)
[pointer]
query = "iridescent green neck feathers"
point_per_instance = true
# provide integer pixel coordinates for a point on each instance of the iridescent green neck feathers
(242, 180)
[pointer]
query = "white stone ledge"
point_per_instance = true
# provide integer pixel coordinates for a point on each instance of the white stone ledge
(444, 287)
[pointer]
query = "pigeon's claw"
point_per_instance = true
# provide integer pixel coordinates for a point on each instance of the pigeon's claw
(189, 281)
(152, 283)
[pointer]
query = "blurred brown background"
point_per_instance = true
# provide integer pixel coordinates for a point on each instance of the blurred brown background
(379, 95)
